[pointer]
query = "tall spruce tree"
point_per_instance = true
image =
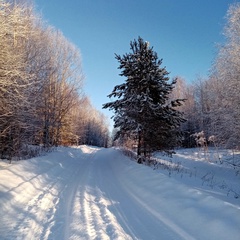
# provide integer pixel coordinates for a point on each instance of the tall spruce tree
(143, 109)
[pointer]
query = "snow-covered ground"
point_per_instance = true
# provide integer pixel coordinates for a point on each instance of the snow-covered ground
(96, 193)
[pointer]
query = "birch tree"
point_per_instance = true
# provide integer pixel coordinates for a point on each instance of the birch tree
(226, 72)
(15, 21)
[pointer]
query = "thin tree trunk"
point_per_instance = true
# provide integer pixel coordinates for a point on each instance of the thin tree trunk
(139, 157)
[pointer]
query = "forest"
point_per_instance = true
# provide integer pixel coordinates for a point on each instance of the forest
(41, 87)
(179, 114)
(43, 101)
(212, 109)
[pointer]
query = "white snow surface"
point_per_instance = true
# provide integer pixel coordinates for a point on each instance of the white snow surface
(96, 193)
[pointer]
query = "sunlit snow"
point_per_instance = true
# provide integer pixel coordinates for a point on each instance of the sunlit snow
(95, 193)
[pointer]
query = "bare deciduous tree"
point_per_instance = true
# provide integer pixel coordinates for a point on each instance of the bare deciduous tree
(15, 29)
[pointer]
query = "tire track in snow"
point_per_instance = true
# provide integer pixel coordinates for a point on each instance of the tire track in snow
(133, 219)
(103, 203)
(30, 219)
(78, 223)
(43, 207)
(40, 193)
(88, 199)
(101, 223)
(59, 223)
(93, 213)
(112, 188)
(65, 210)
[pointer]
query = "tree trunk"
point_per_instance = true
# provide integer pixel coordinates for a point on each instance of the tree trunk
(139, 157)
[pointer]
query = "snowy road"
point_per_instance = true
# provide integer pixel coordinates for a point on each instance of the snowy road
(91, 193)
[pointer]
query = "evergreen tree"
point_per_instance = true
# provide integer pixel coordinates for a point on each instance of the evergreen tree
(143, 109)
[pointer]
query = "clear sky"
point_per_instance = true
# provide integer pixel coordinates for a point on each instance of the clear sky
(184, 33)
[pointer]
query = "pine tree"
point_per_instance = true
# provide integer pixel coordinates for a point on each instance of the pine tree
(142, 109)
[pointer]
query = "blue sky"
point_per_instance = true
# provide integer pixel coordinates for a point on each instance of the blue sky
(184, 33)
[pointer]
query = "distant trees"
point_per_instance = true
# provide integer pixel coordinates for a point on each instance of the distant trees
(182, 90)
(142, 110)
(41, 84)
(94, 126)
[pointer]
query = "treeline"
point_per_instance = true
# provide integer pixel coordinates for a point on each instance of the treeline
(213, 104)
(41, 86)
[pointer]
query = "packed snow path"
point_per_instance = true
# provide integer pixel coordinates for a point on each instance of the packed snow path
(92, 193)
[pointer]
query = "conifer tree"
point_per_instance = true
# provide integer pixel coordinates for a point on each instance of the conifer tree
(142, 109)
